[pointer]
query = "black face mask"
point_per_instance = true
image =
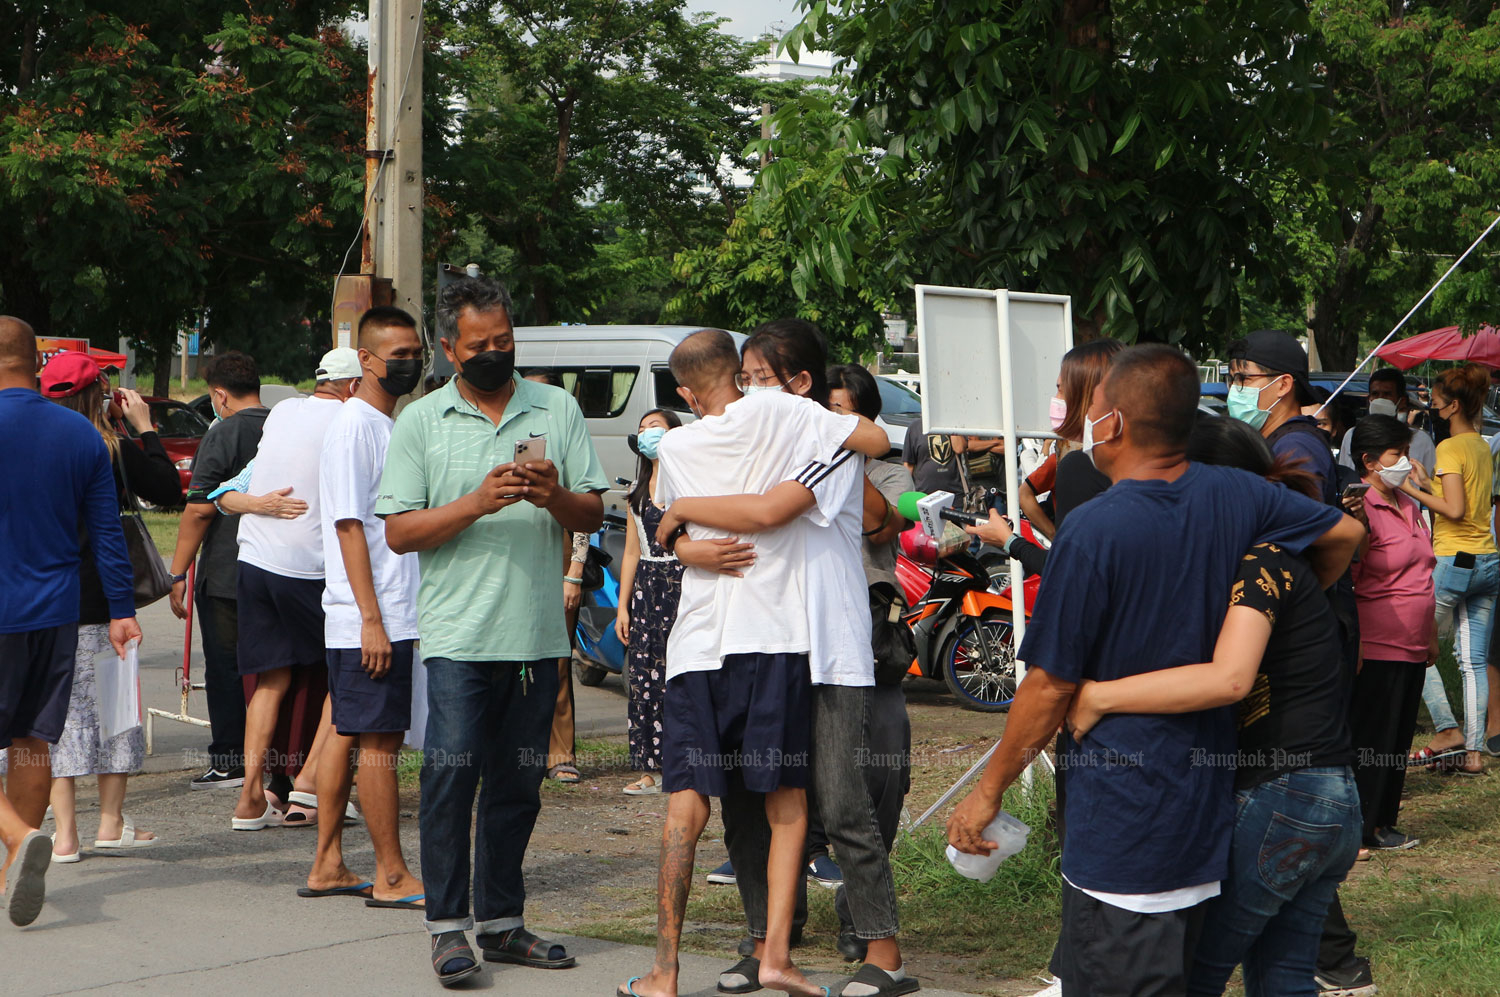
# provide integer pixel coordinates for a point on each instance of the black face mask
(402, 374)
(488, 371)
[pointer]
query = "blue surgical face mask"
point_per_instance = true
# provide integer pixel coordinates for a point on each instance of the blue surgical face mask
(648, 440)
(1244, 404)
(751, 389)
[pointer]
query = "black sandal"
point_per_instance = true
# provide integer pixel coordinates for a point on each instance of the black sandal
(521, 947)
(452, 946)
(874, 976)
(749, 968)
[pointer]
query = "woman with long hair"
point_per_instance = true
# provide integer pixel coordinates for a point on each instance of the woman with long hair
(1298, 824)
(650, 585)
(74, 381)
(1467, 577)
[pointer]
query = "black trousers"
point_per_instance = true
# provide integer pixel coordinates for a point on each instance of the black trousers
(1382, 720)
(1107, 951)
(218, 624)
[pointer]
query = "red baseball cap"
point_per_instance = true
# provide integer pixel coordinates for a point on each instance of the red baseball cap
(68, 373)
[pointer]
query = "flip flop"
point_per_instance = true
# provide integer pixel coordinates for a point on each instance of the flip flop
(127, 839)
(628, 990)
(1431, 760)
(27, 886)
(405, 903)
(357, 890)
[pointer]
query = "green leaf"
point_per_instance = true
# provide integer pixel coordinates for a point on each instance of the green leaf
(1131, 124)
(1035, 134)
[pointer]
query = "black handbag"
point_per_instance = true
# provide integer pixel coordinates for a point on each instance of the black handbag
(152, 579)
(593, 568)
(894, 644)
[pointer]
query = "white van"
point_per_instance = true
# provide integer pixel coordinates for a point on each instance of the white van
(618, 373)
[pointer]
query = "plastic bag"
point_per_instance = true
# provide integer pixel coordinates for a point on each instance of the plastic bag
(1009, 835)
(119, 691)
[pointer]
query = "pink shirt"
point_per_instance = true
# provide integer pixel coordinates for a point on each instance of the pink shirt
(1393, 582)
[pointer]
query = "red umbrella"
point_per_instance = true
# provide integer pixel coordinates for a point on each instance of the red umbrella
(1483, 347)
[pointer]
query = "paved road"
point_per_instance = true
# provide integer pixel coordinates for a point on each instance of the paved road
(212, 911)
(600, 711)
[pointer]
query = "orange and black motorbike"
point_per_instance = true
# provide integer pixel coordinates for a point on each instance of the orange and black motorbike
(961, 619)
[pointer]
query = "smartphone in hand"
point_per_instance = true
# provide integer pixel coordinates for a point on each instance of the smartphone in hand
(532, 450)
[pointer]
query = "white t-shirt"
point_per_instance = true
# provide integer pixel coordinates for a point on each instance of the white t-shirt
(291, 447)
(838, 602)
(759, 442)
(354, 451)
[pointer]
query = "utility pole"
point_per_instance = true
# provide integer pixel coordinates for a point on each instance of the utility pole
(396, 80)
(390, 252)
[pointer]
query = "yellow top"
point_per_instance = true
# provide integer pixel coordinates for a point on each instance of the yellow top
(1469, 455)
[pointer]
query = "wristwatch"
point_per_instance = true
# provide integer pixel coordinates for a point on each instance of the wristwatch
(179, 578)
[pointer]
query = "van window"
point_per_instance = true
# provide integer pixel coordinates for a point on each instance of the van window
(601, 391)
(666, 390)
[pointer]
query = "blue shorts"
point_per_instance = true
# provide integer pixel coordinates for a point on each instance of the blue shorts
(362, 705)
(752, 715)
(36, 681)
(281, 620)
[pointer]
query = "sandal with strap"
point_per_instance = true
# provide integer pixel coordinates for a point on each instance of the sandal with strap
(746, 970)
(881, 983)
(127, 839)
(452, 958)
(522, 947)
(565, 774)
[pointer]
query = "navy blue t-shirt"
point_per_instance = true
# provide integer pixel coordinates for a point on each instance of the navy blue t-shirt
(56, 475)
(1300, 439)
(1139, 580)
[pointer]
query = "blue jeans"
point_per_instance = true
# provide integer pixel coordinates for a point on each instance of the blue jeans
(486, 731)
(1466, 605)
(1295, 838)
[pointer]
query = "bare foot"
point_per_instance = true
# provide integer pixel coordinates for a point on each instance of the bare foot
(404, 886)
(251, 804)
(111, 827)
(1446, 740)
(339, 877)
(789, 979)
(657, 983)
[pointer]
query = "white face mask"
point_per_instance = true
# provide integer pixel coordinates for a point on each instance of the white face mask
(1088, 435)
(751, 389)
(1396, 473)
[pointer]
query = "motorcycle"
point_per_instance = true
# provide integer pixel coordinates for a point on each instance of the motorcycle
(961, 617)
(597, 651)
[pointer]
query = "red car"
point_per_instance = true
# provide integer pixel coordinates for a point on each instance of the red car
(180, 429)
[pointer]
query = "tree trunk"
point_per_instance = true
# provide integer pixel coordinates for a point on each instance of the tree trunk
(1336, 337)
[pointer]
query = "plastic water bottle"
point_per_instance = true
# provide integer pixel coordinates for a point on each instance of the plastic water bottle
(1009, 835)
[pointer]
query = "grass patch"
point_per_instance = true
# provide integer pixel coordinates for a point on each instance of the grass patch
(1426, 937)
(408, 768)
(1007, 923)
(163, 528)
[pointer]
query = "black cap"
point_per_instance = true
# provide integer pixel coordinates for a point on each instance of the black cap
(1279, 352)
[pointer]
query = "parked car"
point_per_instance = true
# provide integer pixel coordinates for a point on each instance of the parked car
(618, 373)
(270, 394)
(900, 406)
(180, 429)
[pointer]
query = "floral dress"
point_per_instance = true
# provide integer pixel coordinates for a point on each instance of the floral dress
(653, 610)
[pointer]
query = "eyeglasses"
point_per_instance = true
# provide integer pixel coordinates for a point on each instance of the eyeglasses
(742, 380)
(1238, 380)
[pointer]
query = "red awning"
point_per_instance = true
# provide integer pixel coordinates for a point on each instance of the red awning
(1447, 343)
(104, 358)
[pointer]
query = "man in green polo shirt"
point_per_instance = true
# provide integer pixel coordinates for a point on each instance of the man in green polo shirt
(489, 534)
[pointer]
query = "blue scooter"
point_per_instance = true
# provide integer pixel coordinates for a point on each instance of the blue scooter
(598, 652)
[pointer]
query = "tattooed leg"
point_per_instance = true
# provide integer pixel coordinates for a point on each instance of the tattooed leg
(687, 816)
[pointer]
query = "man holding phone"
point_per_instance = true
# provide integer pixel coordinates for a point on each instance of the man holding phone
(489, 532)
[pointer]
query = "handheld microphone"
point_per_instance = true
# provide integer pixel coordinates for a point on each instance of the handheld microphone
(932, 509)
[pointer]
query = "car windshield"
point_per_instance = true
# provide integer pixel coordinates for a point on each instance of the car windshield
(174, 420)
(897, 400)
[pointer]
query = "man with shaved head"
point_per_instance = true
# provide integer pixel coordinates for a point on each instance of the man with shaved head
(58, 478)
(1137, 581)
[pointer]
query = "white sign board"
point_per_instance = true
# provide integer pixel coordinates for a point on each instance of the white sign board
(980, 350)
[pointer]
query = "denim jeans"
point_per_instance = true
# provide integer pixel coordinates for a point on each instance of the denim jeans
(861, 741)
(486, 731)
(1465, 604)
(218, 624)
(1295, 838)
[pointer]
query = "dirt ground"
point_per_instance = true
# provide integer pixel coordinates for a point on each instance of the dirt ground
(593, 858)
